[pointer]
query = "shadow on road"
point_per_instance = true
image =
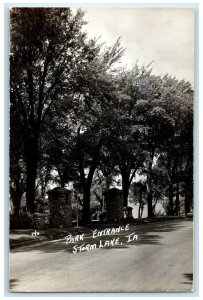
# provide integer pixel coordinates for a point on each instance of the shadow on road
(188, 277)
(13, 283)
(148, 234)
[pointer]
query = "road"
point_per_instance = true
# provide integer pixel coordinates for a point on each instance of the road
(161, 259)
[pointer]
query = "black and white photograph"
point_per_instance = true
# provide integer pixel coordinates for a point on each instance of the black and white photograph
(101, 149)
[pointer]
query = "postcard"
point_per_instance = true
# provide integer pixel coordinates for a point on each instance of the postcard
(101, 149)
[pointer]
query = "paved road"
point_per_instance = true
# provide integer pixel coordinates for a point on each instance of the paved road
(160, 260)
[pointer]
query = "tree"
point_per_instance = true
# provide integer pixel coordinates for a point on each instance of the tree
(185, 174)
(47, 45)
(157, 123)
(125, 139)
(94, 92)
(178, 147)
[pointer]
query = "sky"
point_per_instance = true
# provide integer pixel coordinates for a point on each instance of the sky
(162, 35)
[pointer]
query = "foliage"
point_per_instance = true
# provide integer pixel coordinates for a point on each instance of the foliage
(76, 113)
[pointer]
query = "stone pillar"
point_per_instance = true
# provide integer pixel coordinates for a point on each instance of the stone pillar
(60, 207)
(40, 219)
(114, 205)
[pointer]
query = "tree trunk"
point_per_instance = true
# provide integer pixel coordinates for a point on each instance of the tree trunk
(170, 197)
(107, 182)
(140, 205)
(140, 211)
(31, 155)
(16, 205)
(43, 189)
(149, 205)
(87, 182)
(86, 205)
(149, 192)
(125, 187)
(142, 208)
(31, 172)
(187, 202)
(177, 199)
(16, 196)
(60, 173)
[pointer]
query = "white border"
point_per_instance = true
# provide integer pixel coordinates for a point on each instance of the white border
(4, 155)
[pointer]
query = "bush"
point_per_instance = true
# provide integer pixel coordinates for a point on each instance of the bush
(20, 222)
